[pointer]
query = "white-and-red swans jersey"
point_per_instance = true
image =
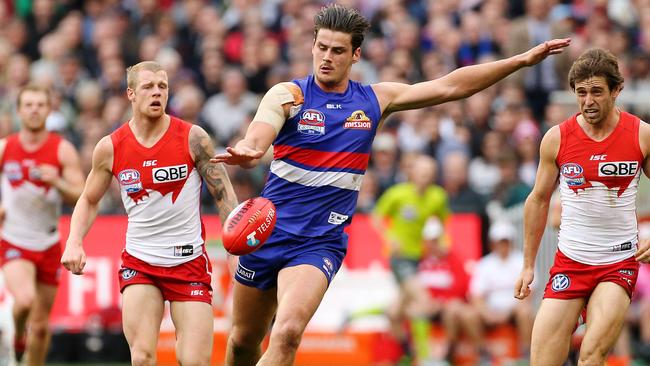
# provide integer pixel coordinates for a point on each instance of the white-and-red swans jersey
(598, 187)
(32, 207)
(160, 190)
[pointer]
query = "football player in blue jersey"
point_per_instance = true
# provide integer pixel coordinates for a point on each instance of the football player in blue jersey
(322, 129)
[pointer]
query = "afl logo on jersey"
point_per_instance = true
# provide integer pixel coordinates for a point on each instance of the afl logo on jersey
(312, 122)
(13, 171)
(130, 180)
(572, 174)
(560, 282)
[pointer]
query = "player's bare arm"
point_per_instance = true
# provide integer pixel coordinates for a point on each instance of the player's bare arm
(271, 114)
(462, 82)
(214, 174)
(3, 144)
(85, 211)
(643, 251)
(536, 208)
(70, 182)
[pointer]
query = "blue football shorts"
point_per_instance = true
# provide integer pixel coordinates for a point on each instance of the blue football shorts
(260, 268)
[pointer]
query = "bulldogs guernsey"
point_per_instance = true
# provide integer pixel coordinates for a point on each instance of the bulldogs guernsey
(32, 207)
(160, 190)
(598, 187)
(320, 156)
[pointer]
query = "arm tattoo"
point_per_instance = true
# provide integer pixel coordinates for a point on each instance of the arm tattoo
(214, 175)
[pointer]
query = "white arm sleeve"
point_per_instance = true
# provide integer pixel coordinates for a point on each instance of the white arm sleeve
(270, 109)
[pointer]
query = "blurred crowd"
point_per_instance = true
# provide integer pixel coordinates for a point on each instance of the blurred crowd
(221, 56)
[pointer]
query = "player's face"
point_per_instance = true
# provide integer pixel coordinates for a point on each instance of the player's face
(151, 93)
(333, 56)
(595, 99)
(33, 110)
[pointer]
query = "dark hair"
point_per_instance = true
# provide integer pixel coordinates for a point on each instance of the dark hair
(341, 19)
(596, 62)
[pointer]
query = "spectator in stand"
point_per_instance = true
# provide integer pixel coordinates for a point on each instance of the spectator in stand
(438, 291)
(491, 286)
(405, 207)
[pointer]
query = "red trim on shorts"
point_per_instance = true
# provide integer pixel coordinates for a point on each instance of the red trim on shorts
(47, 262)
(189, 281)
(570, 279)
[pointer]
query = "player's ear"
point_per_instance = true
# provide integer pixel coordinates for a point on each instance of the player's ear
(356, 55)
(130, 94)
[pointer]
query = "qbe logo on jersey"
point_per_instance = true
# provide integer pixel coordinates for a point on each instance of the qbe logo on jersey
(618, 168)
(312, 122)
(167, 174)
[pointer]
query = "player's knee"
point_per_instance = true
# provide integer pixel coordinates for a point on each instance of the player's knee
(140, 357)
(39, 330)
(242, 339)
(23, 301)
(592, 355)
(194, 359)
(288, 335)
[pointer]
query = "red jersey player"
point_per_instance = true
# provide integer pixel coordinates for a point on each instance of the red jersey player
(159, 161)
(40, 170)
(598, 155)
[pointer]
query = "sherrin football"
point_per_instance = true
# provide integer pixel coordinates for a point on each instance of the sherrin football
(248, 226)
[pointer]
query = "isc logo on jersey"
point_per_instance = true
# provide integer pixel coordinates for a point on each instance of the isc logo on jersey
(167, 174)
(130, 180)
(572, 174)
(312, 122)
(618, 168)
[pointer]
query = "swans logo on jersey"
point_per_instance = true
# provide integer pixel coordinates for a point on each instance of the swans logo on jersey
(572, 174)
(130, 180)
(358, 121)
(169, 173)
(312, 122)
(13, 171)
(618, 169)
(560, 282)
(128, 273)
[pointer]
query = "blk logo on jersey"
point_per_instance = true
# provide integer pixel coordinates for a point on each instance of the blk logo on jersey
(618, 169)
(130, 180)
(312, 122)
(169, 173)
(560, 282)
(573, 174)
(358, 121)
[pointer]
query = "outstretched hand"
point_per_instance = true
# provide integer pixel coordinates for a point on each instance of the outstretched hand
(237, 156)
(536, 54)
(643, 251)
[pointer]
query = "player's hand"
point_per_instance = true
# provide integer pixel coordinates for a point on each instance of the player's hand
(74, 258)
(643, 251)
(47, 173)
(237, 156)
(543, 50)
(522, 286)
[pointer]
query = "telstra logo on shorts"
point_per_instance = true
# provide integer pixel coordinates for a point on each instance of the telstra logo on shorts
(560, 282)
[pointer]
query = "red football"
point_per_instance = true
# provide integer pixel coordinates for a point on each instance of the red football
(248, 226)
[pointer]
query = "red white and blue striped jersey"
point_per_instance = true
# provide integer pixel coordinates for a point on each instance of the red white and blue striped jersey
(320, 156)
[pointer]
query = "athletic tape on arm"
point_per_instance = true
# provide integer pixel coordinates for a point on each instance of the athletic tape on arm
(271, 108)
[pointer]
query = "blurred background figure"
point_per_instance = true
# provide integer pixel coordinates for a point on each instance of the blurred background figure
(491, 288)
